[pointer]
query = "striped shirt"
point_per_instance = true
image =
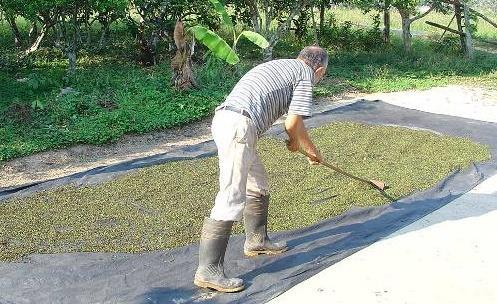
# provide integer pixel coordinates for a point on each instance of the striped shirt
(272, 89)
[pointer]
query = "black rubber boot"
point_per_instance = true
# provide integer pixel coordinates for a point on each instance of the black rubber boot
(210, 271)
(255, 219)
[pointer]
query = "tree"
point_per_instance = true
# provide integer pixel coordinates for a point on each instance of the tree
(323, 5)
(156, 22)
(489, 6)
(181, 64)
(383, 6)
(218, 46)
(73, 15)
(10, 16)
(386, 5)
(409, 13)
(264, 13)
(35, 11)
(106, 13)
(406, 9)
(65, 18)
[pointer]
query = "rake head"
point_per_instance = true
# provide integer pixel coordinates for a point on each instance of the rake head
(378, 184)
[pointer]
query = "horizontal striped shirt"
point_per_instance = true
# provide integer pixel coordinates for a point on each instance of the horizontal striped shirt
(272, 89)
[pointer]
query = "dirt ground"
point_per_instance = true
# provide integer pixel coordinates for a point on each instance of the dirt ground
(53, 164)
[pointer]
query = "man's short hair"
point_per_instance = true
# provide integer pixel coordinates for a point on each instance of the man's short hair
(314, 56)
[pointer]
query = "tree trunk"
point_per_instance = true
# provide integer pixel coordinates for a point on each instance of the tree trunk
(458, 13)
(104, 34)
(267, 53)
(386, 23)
(406, 30)
(254, 15)
(322, 9)
(72, 45)
(33, 32)
(262, 25)
(147, 56)
(268, 17)
(60, 34)
(11, 19)
(314, 26)
(39, 38)
(72, 58)
(88, 33)
(154, 42)
(282, 28)
(181, 64)
(470, 52)
(301, 25)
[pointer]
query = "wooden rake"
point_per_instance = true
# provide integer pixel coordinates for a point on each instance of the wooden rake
(379, 185)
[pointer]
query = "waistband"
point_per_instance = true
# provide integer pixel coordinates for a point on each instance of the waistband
(234, 109)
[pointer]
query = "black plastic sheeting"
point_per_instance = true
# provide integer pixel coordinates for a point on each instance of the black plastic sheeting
(166, 276)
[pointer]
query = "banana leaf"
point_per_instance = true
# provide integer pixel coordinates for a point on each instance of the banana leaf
(216, 44)
(219, 7)
(256, 39)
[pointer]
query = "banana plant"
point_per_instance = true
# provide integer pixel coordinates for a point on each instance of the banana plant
(217, 45)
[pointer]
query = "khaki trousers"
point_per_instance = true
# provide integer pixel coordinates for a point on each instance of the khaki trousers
(241, 171)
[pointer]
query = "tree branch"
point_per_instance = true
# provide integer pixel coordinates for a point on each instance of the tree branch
(422, 15)
(483, 17)
(254, 15)
(295, 11)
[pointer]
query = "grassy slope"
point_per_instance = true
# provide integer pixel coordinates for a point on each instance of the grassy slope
(109, 100)
(484, 29)
(146, 210)
(390, 70)
(431, 64)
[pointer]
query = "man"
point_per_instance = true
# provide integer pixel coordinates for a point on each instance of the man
(263, 95)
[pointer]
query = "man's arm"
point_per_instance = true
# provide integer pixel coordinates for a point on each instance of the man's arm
(299, 138)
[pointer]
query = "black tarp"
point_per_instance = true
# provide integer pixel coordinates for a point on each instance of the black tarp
(166, 276)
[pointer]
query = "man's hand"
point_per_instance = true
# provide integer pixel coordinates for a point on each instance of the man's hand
(299, 139)
(314, 157)
(292, 145)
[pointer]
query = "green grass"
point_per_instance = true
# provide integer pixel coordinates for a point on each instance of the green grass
(109, 100)
(390, 70)
(357, 17)
(113, 96)
(163, 206)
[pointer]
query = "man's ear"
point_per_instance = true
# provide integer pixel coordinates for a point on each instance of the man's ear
(320, 72)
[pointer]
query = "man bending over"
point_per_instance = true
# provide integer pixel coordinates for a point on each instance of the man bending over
(263, 95)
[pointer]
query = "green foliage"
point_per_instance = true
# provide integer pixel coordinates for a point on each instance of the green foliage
(28, 9)
(219, 7)
(106, 102)
(153, 22)
(407, 5)
(216, 44)
(256, 39)
(38, 104)
(139, 211)
(37, 84)
(66, 18)
(111, 96)
(344, 36)
(386, 70)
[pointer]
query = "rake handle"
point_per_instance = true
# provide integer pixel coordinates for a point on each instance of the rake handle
(337, 169)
